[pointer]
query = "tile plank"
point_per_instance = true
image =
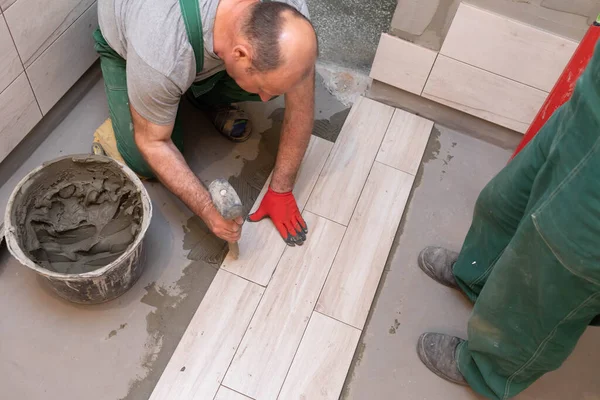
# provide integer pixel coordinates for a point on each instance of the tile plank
(507, 47)
(405, 141)
(209, 343)
(49, 17)
(4, 4)
(10, 64)
(483, 94)
(322, 362)
(228, 394)
(260, 245)
(402, 64)
(266, 353)
(343, 177)
(356, 271)
(19, 113)
(63, 63)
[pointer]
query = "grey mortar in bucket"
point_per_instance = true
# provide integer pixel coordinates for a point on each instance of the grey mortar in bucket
(79, 222)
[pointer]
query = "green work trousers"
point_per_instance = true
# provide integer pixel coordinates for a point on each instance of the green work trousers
(531, 259)
(216, 90)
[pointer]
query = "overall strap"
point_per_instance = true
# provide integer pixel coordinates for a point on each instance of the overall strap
(193, 25)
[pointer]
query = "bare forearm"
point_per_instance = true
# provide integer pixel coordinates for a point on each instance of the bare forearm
(171, 169)
(297, 128)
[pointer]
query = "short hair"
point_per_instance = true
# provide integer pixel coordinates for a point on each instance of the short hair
(263, 28)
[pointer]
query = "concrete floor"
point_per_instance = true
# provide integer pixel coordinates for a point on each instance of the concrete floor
(52, 349)
(455, 168)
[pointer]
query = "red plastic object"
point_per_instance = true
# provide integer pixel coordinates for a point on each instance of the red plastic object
(563, 89)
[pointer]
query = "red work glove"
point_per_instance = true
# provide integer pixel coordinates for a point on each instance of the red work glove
(283, 211)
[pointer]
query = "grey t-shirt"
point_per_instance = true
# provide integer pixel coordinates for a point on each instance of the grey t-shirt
(151, 36)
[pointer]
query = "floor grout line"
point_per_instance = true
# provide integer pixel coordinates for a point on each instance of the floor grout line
(295, 354)
(240, 342)
(328, 219)
(239, 276)
(429, 73)
(233, 390)
(339, 320)
(495, 74)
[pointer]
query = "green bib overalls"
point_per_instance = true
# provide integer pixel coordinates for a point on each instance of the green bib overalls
(215, 90)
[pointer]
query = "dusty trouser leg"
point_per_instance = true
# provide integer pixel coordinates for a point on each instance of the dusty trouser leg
(115, 83)
(544, 288)
(498, 211)
(527, 319)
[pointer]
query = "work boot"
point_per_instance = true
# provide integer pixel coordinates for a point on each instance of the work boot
(231, 121)
(438, 352)
(437, 263)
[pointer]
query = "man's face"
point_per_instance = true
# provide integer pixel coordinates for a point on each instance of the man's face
(266, 85)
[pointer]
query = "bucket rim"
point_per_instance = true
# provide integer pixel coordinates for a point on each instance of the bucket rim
(10, 231)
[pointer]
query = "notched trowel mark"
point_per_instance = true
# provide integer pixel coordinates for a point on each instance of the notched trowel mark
(202, 244)
(329, 129)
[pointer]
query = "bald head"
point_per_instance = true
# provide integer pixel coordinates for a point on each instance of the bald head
(280, 36)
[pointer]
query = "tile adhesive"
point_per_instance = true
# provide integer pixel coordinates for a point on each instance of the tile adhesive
(83, 220)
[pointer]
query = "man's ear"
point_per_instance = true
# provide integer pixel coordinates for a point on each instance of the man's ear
(242, 54)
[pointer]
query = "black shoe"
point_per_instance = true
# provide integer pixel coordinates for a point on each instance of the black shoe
(437, 263)
(438, 352)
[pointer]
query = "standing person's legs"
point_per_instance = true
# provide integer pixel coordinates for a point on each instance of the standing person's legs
(115, 83)
(498, 211)
(544, 289)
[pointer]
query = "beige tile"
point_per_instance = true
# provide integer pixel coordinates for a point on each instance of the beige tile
(321, 364)
(507, 47)
(35, 24)
(261, 245)
(19, 113)
(228, 394)
(65, 61)
(344, 175)
(405, 141)
(4, 4)
(357, 269)
(10, 64)
(266, 353)
(402, 64)
(483, 94)
(209, 343)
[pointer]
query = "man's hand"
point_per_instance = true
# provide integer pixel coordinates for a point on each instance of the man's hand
(229, 230)
(284, 212)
